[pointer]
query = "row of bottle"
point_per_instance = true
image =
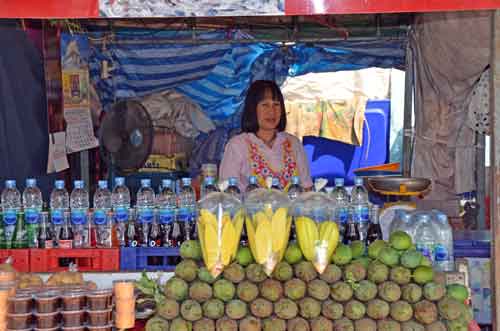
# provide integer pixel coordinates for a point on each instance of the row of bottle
(164, 219)
(24, 226)
(431, 233)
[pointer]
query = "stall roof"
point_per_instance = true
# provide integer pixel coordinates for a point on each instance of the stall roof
(98, 8)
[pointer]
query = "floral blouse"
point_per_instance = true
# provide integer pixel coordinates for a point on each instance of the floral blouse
(246, 155)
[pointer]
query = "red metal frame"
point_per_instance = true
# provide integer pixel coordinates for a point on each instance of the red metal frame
(49, 8)
(90, 8)
(311, 7)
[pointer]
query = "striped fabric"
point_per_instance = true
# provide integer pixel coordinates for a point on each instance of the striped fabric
(216, 75)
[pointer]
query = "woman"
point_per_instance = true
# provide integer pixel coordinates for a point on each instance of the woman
(264, 149)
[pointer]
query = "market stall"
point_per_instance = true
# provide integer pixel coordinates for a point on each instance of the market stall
(278, 271)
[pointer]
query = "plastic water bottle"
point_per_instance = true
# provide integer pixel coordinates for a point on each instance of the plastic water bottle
(209, 186)
(59, 204)
(295, 189)
(443, 251)
(276, 184)
(252, 184)
(315, 184)
(145, 210)
(187, 209)
(33, 204)
(233, 188)
(11, 206)
(120, 202)
(426, 235)
(79, 203)
(166, 203)
(341, 198)
(102, 209)
(360, 207)
(397, 221)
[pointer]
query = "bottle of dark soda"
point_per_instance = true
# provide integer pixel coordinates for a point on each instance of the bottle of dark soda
(351, 232)
(177, 236)
(66, 239)
(154, 234)
(44, 234)
(374, 231)
(154, 241)
(130, 231)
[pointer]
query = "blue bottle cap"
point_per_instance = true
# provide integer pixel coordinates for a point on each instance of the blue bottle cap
(358, 181)
(276, 181)
(10, 183)
(78, 184)
(103, 184)
(233, 181)
(339, 182)
(59, 184)
(252, 179)
(295, 180)
(30, 182)
(441, 217)
(166, 183)
(186, 181)
(146, 182)
(119, 181)
(209, 180)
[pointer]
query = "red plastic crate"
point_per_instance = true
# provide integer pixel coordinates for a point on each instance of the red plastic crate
(21, 258)
(87, 259)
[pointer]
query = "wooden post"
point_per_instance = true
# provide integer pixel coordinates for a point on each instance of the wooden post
(495, 167)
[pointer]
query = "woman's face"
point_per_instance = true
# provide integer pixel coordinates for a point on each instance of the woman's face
(268, 112)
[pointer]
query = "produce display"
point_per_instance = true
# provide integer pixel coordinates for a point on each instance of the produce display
(317, 233)
(387, 286)
(219, 228)
(268, 226)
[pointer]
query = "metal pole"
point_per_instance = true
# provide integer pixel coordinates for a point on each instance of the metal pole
(495, 167)
(408, 113)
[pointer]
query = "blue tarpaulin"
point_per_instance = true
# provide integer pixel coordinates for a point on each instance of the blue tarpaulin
(216, 75)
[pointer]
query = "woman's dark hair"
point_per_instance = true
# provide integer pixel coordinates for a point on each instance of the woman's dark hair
(255, 94)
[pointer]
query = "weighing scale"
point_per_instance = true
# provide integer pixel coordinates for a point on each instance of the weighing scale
(397, 193)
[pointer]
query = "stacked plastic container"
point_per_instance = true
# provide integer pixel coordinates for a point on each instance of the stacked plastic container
(51, 310)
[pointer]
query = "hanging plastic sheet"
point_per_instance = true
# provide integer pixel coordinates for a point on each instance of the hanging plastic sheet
(216, 76)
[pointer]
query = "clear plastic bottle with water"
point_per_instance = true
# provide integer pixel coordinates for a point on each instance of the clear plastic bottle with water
(145, 206)
(443, 251)
(360, 207)
(166, 203)
(295, 189)
(79, 203)
(11, 206)
(233, 188)
(209, 186)
(341, 199)
(252, 184)
(317, 183)
(32, 204)
(276, 184)
(59, 204)
(120, 202)
(102, 209)
(186, 213)
(397, 221)
(426, 235)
